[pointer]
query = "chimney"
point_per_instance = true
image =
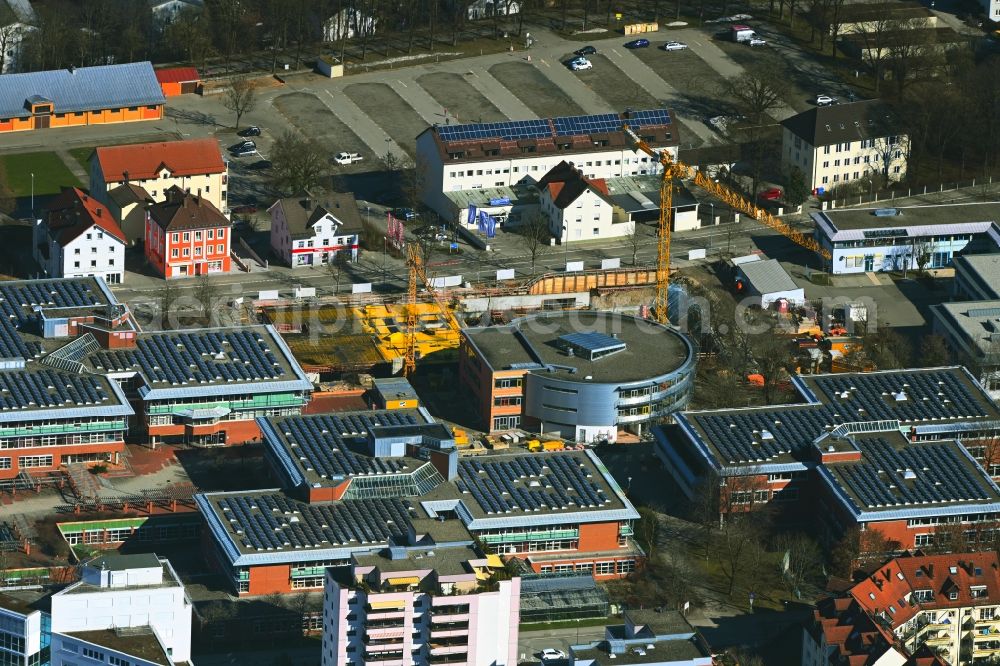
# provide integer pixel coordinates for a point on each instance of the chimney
(930, 571)
(125, 175)
(98, 212)
(307, 203)
(72, 69)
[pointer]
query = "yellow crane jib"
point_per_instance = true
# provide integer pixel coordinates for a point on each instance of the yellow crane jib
(418, 271)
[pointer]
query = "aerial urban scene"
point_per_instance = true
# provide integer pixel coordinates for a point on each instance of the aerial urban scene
(499, 332)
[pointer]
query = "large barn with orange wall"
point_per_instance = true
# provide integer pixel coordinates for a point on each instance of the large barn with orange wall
(80, 96)
(355, 482)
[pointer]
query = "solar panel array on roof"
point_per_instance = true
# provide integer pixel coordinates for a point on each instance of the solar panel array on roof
(917, 474)
(510, 131)
(275, 522)
(189, 357)
(322, 443)
(17, 300)
(530, 483)
(49, 388)
(573, 125)
(592, 341)
(650, 118)
(761, 435)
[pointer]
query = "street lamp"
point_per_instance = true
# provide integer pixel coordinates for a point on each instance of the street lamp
(32, 196)
(385, 247)
(566, 242)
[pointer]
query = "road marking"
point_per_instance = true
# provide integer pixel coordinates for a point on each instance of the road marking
(402, 84)
(617, 55)
(545, 63)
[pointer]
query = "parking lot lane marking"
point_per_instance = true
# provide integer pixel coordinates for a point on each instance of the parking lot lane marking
(617, 55)
(402, 84)
(545, 63)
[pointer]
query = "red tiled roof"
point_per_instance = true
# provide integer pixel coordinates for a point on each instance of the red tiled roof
(146, 160)
(177, 75)
(893, 584)
(73, 212)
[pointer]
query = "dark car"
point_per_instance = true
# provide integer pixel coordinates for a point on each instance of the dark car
(405, 214)
(637, 44)
(253, 130)
(259, 165)
(243, 148)
(586, 50)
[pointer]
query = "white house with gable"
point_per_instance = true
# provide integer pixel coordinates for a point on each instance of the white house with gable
(79, 237)
(308, 230)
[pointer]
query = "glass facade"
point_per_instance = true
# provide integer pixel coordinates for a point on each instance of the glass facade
(384, 486)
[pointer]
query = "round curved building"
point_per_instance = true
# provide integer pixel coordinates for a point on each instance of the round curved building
(582, 374)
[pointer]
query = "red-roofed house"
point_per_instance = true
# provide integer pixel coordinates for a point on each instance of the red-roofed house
(178, 81)
(79, 238)
(946, 603)
(186, 236)
(196, 166)
(578, 208)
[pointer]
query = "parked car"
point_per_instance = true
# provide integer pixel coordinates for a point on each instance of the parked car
(253, 130)
(259, 165)
(674, 46)
(771, 194)
(347, 158)
(756, 41)
(825, 100)
(581, 63)
(243, 148)
(405, 214)
(637, 44)
(586, 50)
(550, 654)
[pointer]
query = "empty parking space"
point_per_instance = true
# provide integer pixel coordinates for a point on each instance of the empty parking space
(698, 85)
(462, 101)
(311, 117)
(390, 111)
(535, 90)
(615, 87)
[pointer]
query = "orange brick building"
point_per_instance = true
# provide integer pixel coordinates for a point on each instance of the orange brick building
(179, 81)
(356, 482)
(896, 455)
(187, 236)
(80, 96)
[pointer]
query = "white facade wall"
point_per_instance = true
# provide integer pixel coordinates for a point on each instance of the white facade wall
(11, 38)
(848, 260)
(492, 624)
(324, 244)
(992, 9)
(829, 166)
(92, 253)
(128, 604)
(453, 176)
(588, 218)
(210, 186)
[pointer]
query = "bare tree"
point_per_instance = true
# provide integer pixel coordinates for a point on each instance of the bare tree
(636, 238)
(297, 163)
(207, 294)
(735, 542)
(873, 36)
(647, 531)
(803, 560)
(756, 92)
(534, 236)
(772, 355)
(240, 97)
(335, 267)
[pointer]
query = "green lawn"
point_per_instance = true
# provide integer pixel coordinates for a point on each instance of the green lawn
(50, 173)
(82, 155)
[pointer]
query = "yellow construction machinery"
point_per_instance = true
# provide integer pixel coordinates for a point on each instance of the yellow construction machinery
(418, 271)
(672, 169)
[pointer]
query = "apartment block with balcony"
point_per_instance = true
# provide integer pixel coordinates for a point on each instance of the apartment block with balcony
(353, 483)
(842, 143)
(585, 375)
(419, 604)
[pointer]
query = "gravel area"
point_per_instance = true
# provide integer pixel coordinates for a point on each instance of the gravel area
(311, 117)
(463, 101)
(393, 114)
(615, 86)
(535, 90)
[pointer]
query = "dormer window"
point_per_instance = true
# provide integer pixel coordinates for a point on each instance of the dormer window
(953, 595)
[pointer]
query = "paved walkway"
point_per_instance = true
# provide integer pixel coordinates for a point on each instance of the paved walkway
(75, 167)
(495, 92)
(361, 123)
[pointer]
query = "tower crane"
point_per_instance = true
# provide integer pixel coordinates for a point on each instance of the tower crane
(674, 169)
(418, 271)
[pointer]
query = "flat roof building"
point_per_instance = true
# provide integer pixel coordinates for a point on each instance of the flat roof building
(485, 155)
(650, 637)
(80, 96)
(893, 239)
(873, 449)
(581, 374)
(354, 482)
(972, 331)
(977, 277)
